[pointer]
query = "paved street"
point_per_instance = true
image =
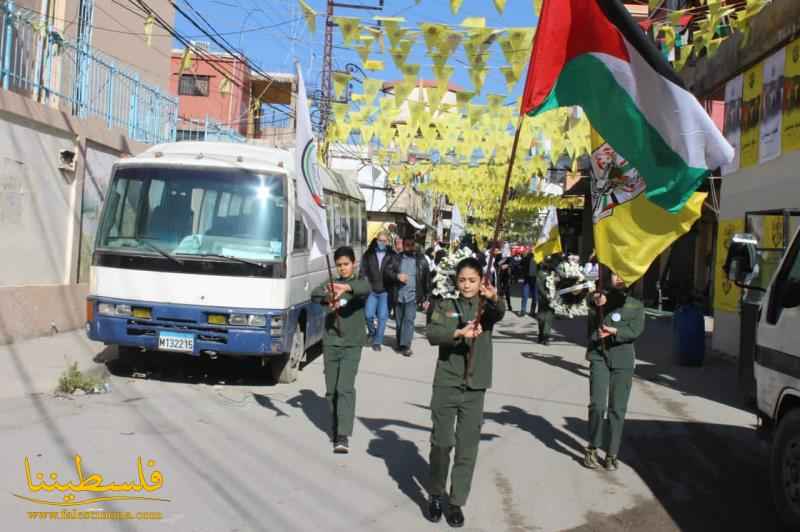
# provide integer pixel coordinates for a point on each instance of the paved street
(238, 453)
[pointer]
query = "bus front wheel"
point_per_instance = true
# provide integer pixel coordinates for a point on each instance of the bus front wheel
(785, 474)
(286, 367)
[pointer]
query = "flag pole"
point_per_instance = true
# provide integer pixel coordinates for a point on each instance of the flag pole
(497, 229)
(335, 307)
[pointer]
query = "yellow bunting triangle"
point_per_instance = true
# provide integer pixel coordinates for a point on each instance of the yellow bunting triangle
(537, 6)
(310, 15)
(363, 50)
(455, 5)
(500, 5)
(462, 100)
(225, 85)
(474, 22)
(402, 89)
(476, 112)
(148, 29)
(478, 76)
(373, 65)
(686, 52)
(410, 70)
(495, 102)
(433, 33)
(348, 27)
(371, 88)
(339, 111)
(340, 81)
(186, 60)
(443, 73)
(511, 76)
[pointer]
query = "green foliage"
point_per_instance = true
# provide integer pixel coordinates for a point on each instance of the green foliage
(73, 379)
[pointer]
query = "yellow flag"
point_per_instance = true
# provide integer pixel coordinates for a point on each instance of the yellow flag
(371, 88)
(630, 231)
(410, 71)
(402, 89)
(474, 22)
(310, 15)
(433, 33)
(225, 85)
(455, 5)
(340, 81)
(462, 99)
(500, 5)
(373, 65)
(511, 77)
(478, 76)
(148, 29)
(348, 27)
(549, 240)
(186, 60)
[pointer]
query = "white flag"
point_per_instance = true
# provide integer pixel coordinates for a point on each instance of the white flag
(309, 188)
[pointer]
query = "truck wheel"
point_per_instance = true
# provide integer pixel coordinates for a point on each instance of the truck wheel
(286, 367)
(785, 469)
(126, 356)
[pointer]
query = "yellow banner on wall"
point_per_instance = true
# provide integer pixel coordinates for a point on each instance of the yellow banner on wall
(751, 115)
(791, 99)
(726, 294)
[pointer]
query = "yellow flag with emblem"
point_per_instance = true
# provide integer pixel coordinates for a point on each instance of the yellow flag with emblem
(630, 231)
(549, 241)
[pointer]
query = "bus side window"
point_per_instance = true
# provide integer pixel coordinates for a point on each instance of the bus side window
(300, 231)
(363, 209)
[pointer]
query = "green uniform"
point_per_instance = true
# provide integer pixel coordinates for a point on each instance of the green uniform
(342, 343)
(457, 403)
(544, 312)
(611, 373)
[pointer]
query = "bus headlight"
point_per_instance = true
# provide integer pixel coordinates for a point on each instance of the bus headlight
(237, 319)
(256, 320)
(110, 309)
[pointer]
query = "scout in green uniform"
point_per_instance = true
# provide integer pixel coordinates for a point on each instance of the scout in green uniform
(616, 320)
(345, 335)
(457, 401)
(544, 312)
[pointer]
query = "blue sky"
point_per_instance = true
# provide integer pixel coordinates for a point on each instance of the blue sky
(274, 48)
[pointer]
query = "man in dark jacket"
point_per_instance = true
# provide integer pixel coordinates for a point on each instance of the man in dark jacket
(528, 273)
(374, 264)
(411, 286)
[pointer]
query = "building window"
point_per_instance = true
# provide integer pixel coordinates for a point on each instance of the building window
(192, 85)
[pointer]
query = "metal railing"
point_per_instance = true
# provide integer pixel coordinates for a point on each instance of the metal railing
(37, 61)
(206, 129)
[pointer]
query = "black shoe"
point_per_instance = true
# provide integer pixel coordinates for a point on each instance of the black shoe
(407, 352)
(546, 341)
(435, 509)
(376, 347)
(455, 517)
(611, 463)
(341, 446)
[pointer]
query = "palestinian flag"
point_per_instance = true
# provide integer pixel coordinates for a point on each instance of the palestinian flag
(591, 53)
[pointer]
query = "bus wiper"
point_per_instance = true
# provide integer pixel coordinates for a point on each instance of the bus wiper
(151, 246)
(231, 258)
(160, 251)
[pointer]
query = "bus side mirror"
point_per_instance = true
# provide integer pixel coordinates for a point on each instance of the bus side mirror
(741, 265)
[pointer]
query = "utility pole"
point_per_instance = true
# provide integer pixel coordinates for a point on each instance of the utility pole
(327, 60)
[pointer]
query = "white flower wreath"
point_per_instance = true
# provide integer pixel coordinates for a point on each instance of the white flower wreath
(567, 289)
(444, 282)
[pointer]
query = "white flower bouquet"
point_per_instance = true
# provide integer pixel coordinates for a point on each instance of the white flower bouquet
(568, 288)
(444, 282)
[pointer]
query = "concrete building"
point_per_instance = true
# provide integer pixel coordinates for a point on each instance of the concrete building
(221, 98)
(79, 88)
(769, 184)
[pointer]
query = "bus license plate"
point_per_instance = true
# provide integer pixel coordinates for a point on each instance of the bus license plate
(180, 342)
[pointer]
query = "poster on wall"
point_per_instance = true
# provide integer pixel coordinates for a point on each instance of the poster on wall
(732, 128)
(726, 294)
(772, 106)
(791, 98)
(751, 115)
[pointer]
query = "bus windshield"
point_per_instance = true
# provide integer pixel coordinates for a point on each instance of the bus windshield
(185, 212)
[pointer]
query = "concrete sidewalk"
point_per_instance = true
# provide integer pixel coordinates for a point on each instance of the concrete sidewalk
(34, 366)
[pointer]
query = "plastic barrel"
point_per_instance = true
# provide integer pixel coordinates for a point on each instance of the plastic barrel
(688, 336)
